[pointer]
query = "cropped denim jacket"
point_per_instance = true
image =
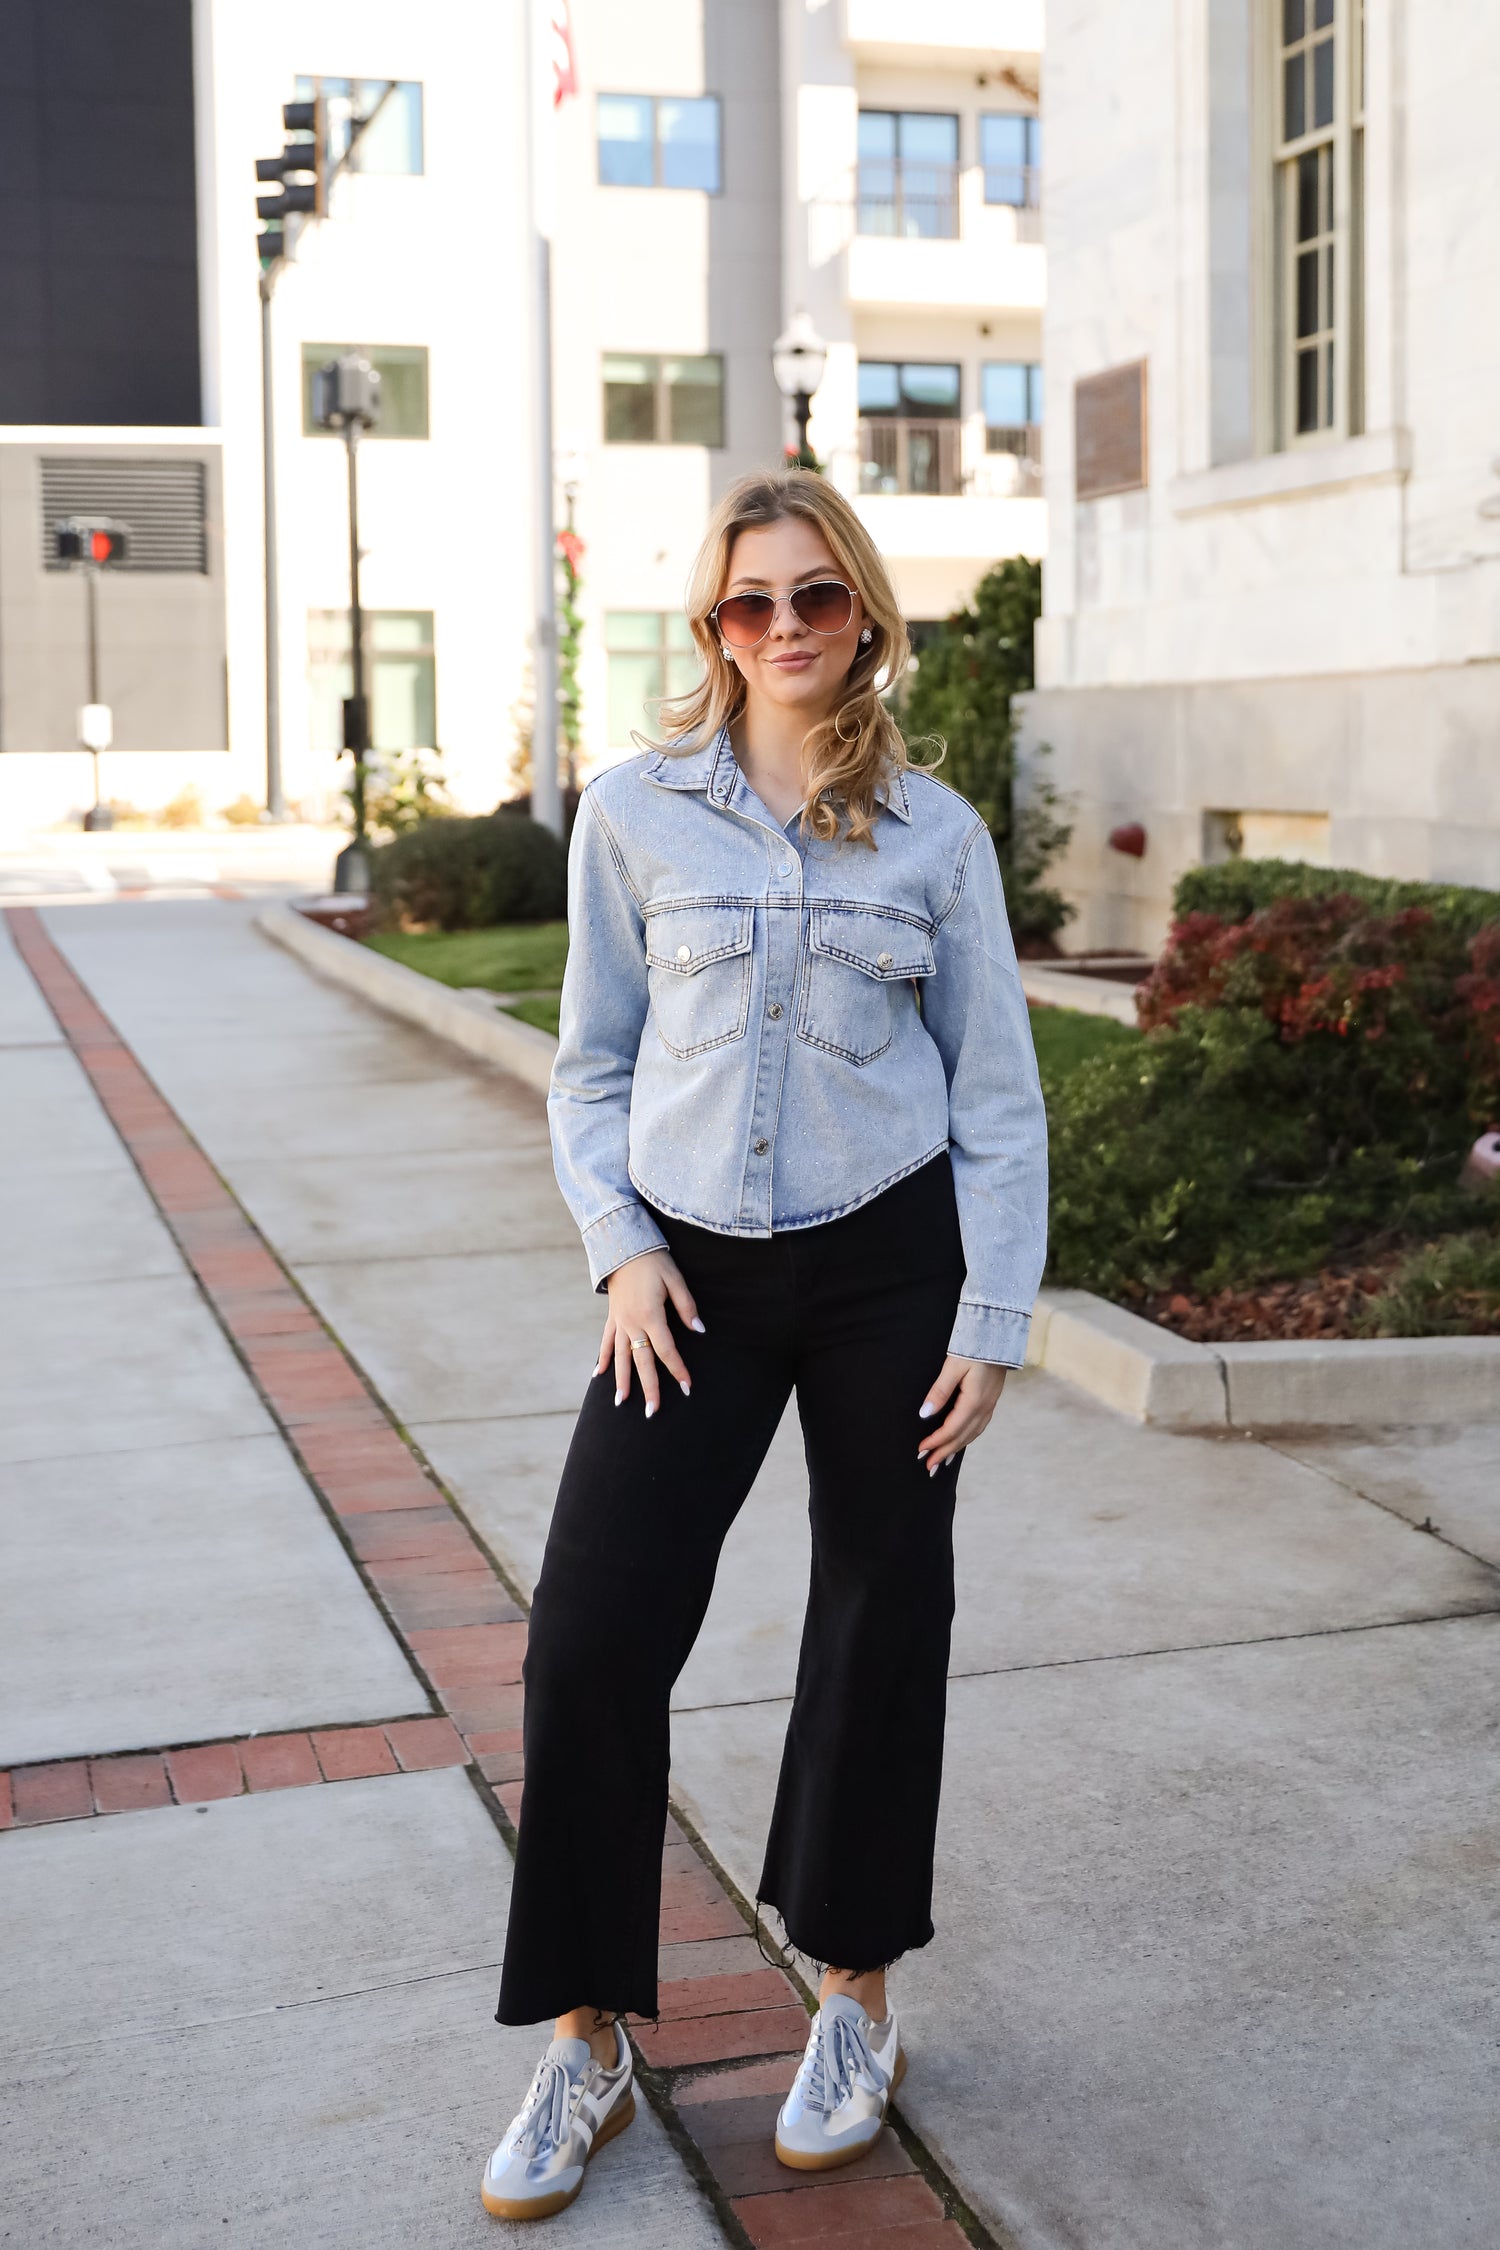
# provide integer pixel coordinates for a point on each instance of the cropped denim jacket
(761, 1032)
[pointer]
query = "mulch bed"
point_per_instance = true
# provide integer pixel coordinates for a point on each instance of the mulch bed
(1320, 1305)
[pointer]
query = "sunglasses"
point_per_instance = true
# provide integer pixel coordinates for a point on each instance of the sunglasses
(826, 606)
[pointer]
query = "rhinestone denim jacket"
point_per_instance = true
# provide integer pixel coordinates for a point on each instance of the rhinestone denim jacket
(761, 1032)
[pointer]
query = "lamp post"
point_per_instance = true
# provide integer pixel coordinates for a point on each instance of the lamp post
(798, 358)
(346, 397)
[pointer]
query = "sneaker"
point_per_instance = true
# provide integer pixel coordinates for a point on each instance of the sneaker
(842, 2090)
(576, 2104)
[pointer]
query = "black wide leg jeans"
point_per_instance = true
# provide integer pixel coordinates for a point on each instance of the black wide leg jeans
(855, 1316)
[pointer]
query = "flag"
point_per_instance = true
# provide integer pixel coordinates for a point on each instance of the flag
(564, 62)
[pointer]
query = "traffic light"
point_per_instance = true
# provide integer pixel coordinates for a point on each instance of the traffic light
(302, 170)
(96, 540)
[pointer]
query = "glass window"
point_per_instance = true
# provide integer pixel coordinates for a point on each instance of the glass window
(650, 400)
(918, 390)
(1318, 188)
(402, 369)
(392, 139)
(659, 140)
(1011, 155)
(627, 155)
(908, 173)
(1012, 393)
(400, 673)
(651, 654)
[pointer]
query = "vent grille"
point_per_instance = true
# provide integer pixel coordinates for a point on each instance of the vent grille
(162, 504)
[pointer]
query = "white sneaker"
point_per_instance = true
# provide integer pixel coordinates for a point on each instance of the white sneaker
(574, 2106)
(842, 2090)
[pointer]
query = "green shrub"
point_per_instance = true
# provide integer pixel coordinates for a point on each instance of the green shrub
(1449, 1288)
(960, 693)
(1237, 888)
(470, 874)
(1310, 1081)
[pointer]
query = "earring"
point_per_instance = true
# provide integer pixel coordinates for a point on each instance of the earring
(724, 649)
(867, 635)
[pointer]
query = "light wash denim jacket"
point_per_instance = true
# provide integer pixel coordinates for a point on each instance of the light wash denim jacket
(742, 1042)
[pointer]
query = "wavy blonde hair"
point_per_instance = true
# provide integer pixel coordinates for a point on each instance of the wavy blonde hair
(851, 755)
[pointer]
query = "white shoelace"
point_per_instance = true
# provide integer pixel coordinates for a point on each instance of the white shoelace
(838, 2057)
(548, 2110)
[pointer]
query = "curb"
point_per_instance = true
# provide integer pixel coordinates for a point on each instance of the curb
(1140, 1370)
(472, 1024)
(1087, 996)
(1158, 1377)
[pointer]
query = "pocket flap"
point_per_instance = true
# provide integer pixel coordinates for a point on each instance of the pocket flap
(871, 941)
(686, 939)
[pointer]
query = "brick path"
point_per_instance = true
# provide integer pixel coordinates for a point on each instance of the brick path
(719, 2058)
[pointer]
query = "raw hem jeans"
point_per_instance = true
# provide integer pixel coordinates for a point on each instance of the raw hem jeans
(855, 1316)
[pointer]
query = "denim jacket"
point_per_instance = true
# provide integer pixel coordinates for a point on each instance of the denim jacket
(761, 1031)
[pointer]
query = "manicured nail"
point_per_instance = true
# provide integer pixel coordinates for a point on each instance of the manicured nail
(619, 1398)
(686, 1389)
(933, 1468)
(650, 1410)
(926, 1410)
(699, 1328)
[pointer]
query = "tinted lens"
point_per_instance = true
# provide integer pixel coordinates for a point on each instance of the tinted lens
(824, 608)
(745, 619)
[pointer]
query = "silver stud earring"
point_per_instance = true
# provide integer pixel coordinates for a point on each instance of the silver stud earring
(867, 635)
(724, 649)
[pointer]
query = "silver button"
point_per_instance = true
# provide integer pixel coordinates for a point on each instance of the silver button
(761, 1147)
(884, 960)
(774, 1011)
(684, 953)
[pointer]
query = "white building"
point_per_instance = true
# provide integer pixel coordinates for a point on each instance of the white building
(723, 164)
(1272, 600)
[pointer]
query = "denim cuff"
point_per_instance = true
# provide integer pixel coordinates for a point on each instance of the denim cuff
(624, 1233)
(990, 1332)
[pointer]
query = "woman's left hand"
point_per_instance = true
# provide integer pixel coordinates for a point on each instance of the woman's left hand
(974, 1386)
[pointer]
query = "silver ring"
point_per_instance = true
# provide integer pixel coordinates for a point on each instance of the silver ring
(638, 1343)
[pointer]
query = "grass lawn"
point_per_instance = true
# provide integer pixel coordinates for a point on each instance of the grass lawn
(1064, 1038)
(519, 957)
(528, 957)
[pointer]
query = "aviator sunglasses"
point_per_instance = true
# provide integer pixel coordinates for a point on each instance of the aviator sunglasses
(825, 606)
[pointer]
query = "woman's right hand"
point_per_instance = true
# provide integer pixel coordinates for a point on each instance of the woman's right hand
(638, 1333)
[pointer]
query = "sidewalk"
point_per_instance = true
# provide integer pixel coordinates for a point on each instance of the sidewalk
(1219, 1824)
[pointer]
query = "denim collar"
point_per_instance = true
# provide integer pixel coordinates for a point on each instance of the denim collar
(713, 768)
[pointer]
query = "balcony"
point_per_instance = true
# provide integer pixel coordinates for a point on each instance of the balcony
(897, 455)
(924, 238)
(942, 33)
(1011, 466)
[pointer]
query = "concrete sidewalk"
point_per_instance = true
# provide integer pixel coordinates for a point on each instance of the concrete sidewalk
(1219, 1823)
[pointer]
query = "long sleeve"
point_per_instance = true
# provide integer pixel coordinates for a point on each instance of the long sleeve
(975, 1011)
(604, 1008)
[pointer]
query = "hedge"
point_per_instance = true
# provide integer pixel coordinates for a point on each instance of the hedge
(1318, 1059)
(471, 874)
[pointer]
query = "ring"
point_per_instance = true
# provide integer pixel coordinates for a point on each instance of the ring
(637, 1342)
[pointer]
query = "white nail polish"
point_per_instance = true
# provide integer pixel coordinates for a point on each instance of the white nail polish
(619, 1398)
(926, 1411)
(686, 1389)
(699, 1328)
(650, 1410)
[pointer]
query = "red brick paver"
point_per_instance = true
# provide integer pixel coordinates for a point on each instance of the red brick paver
(723, 2049)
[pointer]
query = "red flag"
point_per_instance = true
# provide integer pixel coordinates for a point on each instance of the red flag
(564, 61)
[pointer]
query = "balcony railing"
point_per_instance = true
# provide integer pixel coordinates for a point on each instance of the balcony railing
(1020, 187)
(896, 455)
(912, 201)
(1013, 457)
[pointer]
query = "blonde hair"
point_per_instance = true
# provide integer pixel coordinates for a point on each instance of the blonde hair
(852, 754)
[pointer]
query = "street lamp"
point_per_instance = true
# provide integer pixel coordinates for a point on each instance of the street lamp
(798, 358)
(346, 397)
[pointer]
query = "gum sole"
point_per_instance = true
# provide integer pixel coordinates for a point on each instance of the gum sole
(795, 2161)
(548, 2206)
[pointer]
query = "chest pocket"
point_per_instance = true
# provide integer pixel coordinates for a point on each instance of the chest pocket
(859, 965)
(698, 974)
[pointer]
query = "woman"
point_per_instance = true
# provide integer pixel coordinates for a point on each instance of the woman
(795, 1113)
